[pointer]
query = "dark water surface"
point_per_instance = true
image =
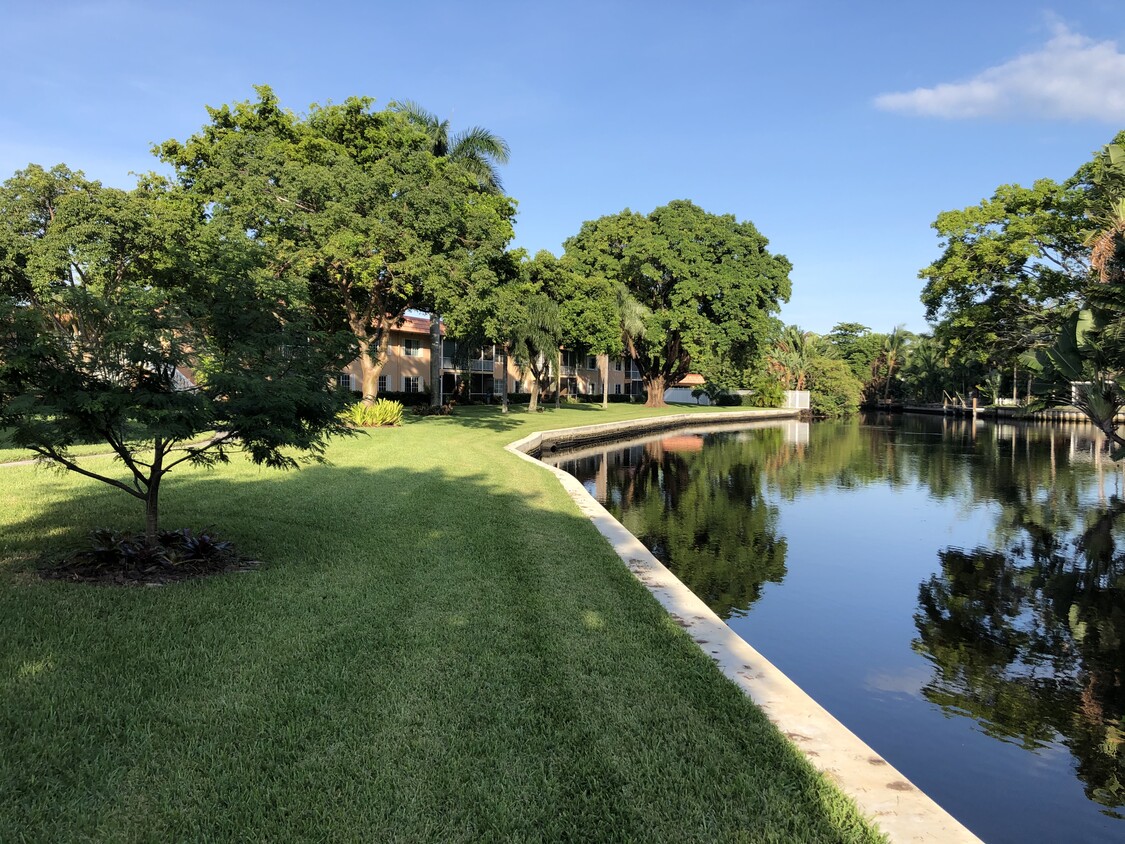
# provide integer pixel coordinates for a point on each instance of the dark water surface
(953, 592)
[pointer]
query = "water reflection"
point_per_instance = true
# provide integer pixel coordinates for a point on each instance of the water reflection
(1030, 642)
(1019, 622)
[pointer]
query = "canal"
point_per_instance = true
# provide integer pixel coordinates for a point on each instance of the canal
(953, 591)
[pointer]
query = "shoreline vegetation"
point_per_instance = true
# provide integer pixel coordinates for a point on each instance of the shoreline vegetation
(438, 647)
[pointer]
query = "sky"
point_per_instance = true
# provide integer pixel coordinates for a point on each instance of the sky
(840, 130)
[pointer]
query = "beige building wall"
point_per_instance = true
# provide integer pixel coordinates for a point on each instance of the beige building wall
(408, 356)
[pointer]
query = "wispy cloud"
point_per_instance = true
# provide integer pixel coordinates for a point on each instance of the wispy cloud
(1072, 78)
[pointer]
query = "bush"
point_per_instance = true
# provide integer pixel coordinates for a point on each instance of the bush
(834, 390)
(431, 410)
(766, 392)
(406, 399)
(727, 400)
(383, 413)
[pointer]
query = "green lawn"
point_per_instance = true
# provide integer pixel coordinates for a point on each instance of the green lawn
(440, 649)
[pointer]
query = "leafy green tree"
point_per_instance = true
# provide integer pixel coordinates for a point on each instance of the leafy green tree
(708, 282)
(1011, 270)
(356, 202)
(833, 390)
(124, 319)
(857, 346)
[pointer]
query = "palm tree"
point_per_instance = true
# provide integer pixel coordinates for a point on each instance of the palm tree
(535, 340)
(631, 316)
(792, 355)
(479, 152)
(476, 149)
(894, 347)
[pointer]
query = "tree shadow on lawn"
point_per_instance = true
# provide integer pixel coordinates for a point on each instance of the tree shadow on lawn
(426, 653)
(490, 417)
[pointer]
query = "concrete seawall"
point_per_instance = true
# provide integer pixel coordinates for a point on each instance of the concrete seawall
(902, 811)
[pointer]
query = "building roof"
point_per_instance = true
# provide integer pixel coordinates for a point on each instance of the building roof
(691, 380)
(415, 325)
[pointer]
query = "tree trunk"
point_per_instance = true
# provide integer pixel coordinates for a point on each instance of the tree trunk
(605, 380)
(655, 386)
(504, 377)
(533, 405)
(152, 494)
(370, 370)
(1015, 383)
(558, 380)
(435, 360)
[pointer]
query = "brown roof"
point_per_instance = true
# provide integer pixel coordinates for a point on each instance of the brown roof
(691, 380)
(415, 325)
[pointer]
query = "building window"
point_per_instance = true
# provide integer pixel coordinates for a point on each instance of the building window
(617, 364)
(411, 384)
(382, 383)
(591, 362)
(344, 380)
(412, 347)
(617, 389)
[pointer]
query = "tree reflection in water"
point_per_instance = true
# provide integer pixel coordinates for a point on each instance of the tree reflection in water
(1030, 642)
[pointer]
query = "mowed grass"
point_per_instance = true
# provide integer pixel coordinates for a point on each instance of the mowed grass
(439, 649)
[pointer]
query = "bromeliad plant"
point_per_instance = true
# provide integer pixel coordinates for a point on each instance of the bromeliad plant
(384, 413)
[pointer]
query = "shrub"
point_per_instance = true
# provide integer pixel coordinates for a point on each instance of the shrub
(383, 413)
(767, 392)
(431, 410)
(834, 390)
(406, 399)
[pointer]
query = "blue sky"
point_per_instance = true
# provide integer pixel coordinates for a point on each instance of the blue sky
(839, 129)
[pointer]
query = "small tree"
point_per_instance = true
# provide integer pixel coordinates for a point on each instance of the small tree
(125, 319)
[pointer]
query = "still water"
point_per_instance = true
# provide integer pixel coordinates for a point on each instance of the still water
(953, 592)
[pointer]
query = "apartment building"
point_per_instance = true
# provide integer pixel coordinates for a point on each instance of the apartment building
(485, 374)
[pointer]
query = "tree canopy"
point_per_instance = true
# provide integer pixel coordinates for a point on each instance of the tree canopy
(357, 203)
(709, 283)
(109, 298)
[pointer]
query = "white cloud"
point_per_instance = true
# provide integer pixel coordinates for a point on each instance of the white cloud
(1072, 78)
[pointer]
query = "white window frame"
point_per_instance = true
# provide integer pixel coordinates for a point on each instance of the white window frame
(412, 347)
(347, 385)
(382, 384)
(617, 389)
(411, 384)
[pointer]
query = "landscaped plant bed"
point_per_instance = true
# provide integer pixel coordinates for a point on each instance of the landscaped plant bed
(123, 559)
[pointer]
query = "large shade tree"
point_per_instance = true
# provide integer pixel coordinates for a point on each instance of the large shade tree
(356, 202)
(126, 320)
(709, 283)
(1011, 271)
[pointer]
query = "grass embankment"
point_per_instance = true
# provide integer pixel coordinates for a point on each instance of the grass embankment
(441, 649)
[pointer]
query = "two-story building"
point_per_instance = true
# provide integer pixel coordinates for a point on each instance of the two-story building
(407, 368)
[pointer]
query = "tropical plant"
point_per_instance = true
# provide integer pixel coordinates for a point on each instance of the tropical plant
(384, 413)
(476, 149)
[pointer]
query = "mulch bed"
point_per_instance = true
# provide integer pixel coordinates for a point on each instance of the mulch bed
(123, 560)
